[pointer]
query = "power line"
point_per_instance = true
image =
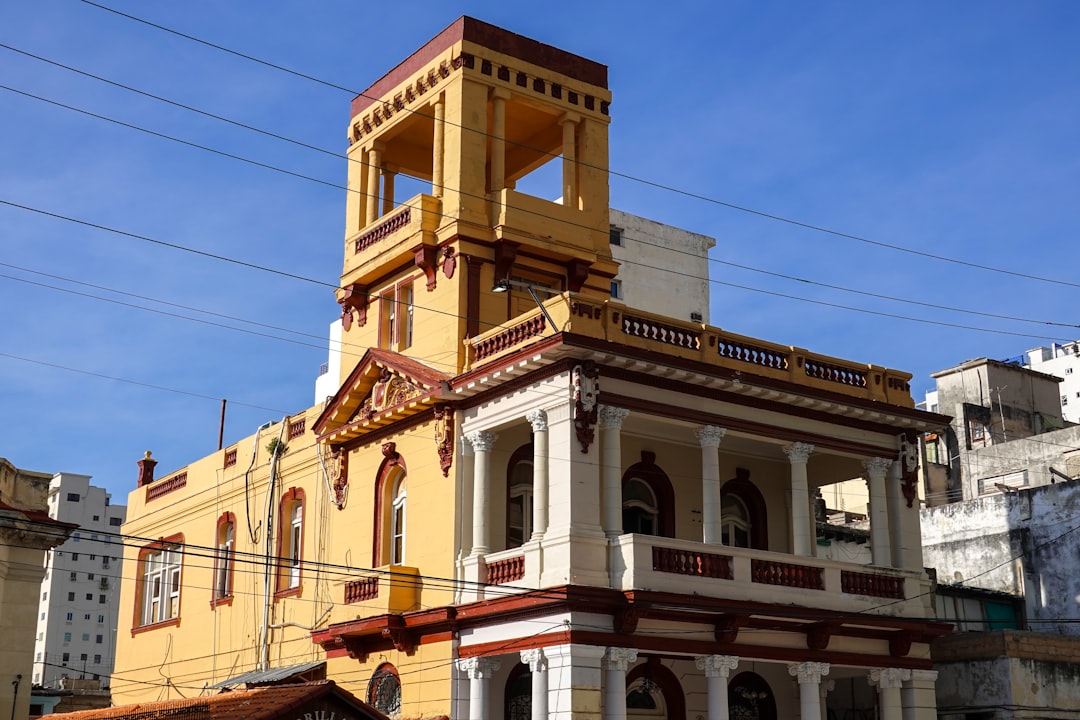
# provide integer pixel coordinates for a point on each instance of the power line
(548, 217)
(626, 176)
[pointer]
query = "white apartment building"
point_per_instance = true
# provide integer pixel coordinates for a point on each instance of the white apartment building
(1064, 362)
(77, 612)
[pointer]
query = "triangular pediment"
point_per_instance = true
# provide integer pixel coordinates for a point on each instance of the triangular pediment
(383, 388)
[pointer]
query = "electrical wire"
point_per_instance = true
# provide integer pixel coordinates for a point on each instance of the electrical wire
(625, 176)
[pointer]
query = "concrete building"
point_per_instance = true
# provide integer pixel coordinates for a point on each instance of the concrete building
(586, 509)
(1007, 431)
(79, 605)
(26, 533)
(1062, 361)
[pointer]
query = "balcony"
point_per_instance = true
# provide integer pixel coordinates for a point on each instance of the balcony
(616, 323)
(644, 562)
(397, 234)
(394, 589)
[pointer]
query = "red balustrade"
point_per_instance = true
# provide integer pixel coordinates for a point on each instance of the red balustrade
(861, 583)
(510, 337)
(383, 230)
(153, 492)
(507, 570)
(297, 428)
(691, 562)
(362, 589)
(770, 572)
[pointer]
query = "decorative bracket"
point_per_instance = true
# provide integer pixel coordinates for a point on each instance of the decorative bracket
(727, 627)
(505, 254)
(818, 635)
(577, 272)
(586, 386)
(909, 466)
(444, 437)
(355, 299)
(397, 633)
(424, 256)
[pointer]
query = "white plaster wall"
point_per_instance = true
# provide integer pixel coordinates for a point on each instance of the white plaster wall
(663, 269)
(327, 383)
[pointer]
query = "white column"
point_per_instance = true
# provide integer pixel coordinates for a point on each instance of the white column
(802, 535)
(538, 420)
(479, 671)
(537, 663)
(616, 661)
(497, 166)
(709, 437)
(482, 441)
(827, 686)
(610, 420)
(917, 696)
(894, 508)
(467, 472)
(888, 682)
(809, 674)
(437, 147)
(879, 511)
(717, 668)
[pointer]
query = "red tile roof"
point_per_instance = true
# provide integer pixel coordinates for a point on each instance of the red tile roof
(262, 703)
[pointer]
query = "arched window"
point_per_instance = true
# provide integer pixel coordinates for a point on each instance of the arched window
(397, 523)
(384, 690)
(518, 695)
(743, 504)
(391, 510)
(653, 691)
(290, 541)
(224, 558)
(734, 521)
(519, 497)
(640, 511)
(750, 698)
(648, 499)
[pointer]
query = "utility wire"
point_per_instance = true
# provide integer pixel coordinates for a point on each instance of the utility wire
(650, 183)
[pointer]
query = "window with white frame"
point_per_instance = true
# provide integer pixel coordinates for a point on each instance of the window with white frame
(519, 503)
(397, 522)
(223, 565)
(296, 536)
(734, 522)
(161, 585)
(641, 513)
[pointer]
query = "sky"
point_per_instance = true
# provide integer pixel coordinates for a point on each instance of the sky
(884, 148)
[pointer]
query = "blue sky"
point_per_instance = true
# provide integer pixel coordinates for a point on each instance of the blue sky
(945, 128)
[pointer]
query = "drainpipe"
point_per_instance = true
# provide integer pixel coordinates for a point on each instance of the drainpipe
(15, 695)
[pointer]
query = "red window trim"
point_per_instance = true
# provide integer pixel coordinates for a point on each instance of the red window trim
(648, 471)
(177, 541)
(743, 488)
(227, 518)
(290, 498)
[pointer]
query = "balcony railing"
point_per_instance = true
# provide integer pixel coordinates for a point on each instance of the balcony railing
(614, 322)
(393, 589)
(644, 562)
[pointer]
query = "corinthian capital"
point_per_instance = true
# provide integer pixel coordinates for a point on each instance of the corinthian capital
(808, 672)
(710, 435)
(717, 665)
(619, 658)
(889, 677)
(481, 440)
(538, 420)
(877, 467)
(611, 418)
(798, 452)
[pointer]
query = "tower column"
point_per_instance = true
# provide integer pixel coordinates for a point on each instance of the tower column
(497, 179)
(437, 143)
(801, 536)
(482, 442)
(709, 437)
(717, 668)
(879, 510)
(537, 662)
(569, 123)
(616, 661)
(917, 696)
(610, 420)
(388, 191)
(809, 674)
(538, 420)
(888, 681)
(374, 168)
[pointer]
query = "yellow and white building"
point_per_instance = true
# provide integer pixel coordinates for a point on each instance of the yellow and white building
(540, 502)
